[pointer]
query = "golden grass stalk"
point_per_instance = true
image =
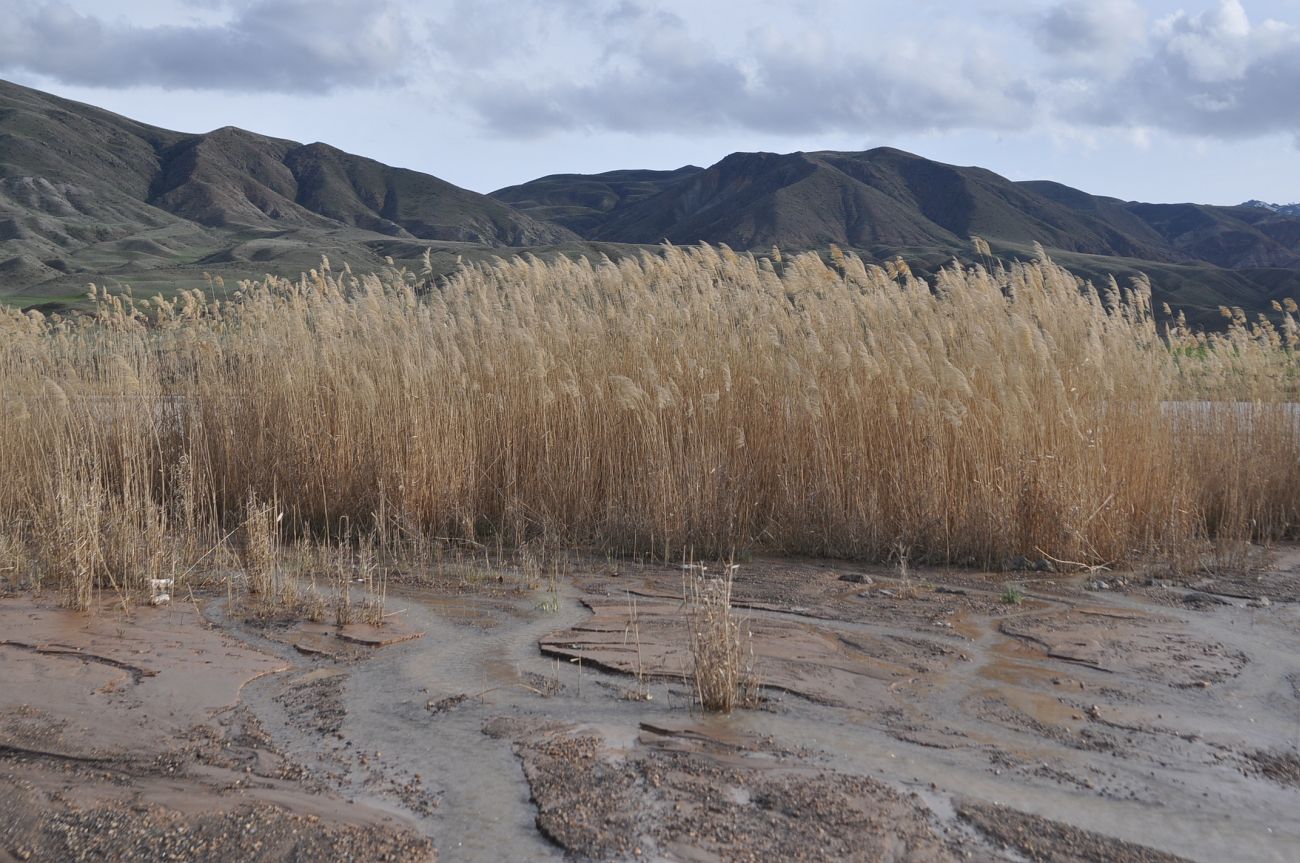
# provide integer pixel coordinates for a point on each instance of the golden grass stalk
(722, 654)
(691, 399)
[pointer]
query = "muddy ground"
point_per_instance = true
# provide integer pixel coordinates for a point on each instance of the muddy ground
(1102, 717)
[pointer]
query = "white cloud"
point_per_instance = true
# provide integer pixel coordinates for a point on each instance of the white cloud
(660, 71)
(1212, 73)
(872, 69)
(1091, 35)
(868, 68)
(1211, 46)
(311, 46)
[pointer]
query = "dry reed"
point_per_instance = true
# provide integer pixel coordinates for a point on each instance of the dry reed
(722, 652)
(693, 399)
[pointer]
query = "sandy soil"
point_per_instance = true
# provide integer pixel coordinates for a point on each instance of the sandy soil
(1103, 717)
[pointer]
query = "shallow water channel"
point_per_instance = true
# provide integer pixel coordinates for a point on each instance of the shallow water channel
(1147, 715)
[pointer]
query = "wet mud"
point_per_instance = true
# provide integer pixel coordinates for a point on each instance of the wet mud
(124, 738)
(935, 716)
(679, 793)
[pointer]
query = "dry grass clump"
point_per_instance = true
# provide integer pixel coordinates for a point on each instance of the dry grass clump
(70, 533)
(13, 561)
(694, 399)
(722, 653)
(260, 547)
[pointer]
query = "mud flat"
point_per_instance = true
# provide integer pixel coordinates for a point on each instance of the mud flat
(126, 739)
(1101, 717)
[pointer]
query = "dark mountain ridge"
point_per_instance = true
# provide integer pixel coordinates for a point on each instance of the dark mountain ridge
(233, 178)
(85, 189)
(581, 202)
(886, 197)
(87, 195)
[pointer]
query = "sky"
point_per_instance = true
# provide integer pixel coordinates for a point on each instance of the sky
(1155, 100)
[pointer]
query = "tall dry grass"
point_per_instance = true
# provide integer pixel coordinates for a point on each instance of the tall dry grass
(698, 399)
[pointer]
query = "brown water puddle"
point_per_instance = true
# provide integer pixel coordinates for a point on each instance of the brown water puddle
(94, 675)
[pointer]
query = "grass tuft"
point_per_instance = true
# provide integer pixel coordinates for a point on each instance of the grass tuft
(722, 652)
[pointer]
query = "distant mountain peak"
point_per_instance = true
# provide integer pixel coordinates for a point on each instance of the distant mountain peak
(127, 175)
(88, 195)
(1292, 209)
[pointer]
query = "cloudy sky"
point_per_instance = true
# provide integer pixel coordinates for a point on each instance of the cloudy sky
(1161, 100)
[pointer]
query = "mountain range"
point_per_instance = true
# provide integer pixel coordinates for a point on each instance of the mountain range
(87, 195)
(886, 198)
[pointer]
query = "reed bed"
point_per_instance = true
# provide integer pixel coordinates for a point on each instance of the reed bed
(696, 400)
